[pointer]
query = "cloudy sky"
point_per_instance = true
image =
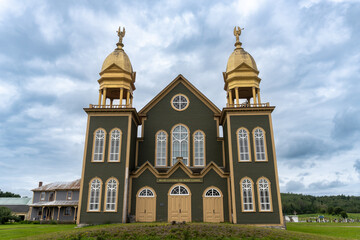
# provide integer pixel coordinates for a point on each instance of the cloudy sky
(308, 54)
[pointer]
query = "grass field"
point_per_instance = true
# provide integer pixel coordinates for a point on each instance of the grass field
(188, 231)
(344, 230)
(328, 216)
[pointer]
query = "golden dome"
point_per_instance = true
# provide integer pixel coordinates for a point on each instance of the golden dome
(238, 57)
(120, 58)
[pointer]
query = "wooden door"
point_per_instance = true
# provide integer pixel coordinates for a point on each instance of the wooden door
(213, 205)
(146, 205)
(179, 204)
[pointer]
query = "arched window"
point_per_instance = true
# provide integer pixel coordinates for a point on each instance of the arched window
(243, 145)
(212, 192)
(161, 143)
(115, 140)
(199, 148)
(259, 144)
(111, 195)
(99, 144)
(180, 144)
(179, 190)
(264, 194)
(146, 193)
(247, 195)
(94, 196)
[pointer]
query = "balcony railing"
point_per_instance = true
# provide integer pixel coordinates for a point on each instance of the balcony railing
(249, 105)
(110, 106)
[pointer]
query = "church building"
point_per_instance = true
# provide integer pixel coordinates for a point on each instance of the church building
(179, 167)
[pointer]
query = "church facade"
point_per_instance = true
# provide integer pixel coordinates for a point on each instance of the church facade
(179, 167)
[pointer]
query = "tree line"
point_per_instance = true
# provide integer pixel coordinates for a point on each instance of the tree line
(8, 194)
(306, 204)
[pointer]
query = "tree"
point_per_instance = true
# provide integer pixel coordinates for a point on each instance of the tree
(6, 215)
(344, 214)
(8, 194)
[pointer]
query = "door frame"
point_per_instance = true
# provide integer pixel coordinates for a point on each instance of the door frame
(222, 200)
(137, 196)
(189, 195)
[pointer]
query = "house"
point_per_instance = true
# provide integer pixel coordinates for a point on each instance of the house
(191, 161)
(18, 206)
(55, 201)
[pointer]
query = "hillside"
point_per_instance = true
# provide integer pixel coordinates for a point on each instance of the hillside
(302, 204)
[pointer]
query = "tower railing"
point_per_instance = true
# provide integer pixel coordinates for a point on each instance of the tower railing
(248, 105)
(110, 106)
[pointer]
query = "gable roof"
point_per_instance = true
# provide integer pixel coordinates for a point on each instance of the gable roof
(180, 79)
(74, 185)
(15, 201)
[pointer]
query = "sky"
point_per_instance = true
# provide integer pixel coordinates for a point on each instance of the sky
(307, 52)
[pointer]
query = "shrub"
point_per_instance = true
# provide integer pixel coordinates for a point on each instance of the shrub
(344, 214)
(35, 222)
(6, 215)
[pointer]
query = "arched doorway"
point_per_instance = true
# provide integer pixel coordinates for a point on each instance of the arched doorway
(146, 205)
(179, 203)
(213, 207)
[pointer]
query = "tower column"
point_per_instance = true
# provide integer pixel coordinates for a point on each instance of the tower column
(121, 95)
(237, 95)
(104, 97)
(111, 102)
(230, 97)
(100, 91)
(131, 99)
(127, 98)
(258, 95)
(254, 94)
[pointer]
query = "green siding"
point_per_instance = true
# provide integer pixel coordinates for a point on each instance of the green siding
(162, 189)
(104, 170)
(196, 117)
(254, 170)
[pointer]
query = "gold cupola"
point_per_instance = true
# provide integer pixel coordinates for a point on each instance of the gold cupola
(241, 76)
(117, 78)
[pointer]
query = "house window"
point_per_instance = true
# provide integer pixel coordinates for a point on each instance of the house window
(180, 102)
(259, 145)
(115, 137)
(67, 211)
(99, 145)
(51, 197)
(69, 195)
(94, 196)
(243, 145)
(264, 194)
(199, 148)
(42, 196)
(247, 195)
(180, 144)
(111, 195)
(161, 143)
(39, 213)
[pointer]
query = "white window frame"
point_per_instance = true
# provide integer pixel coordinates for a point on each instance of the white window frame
(264, 195)
(161, 148)
(260, 144)
(99, 145)
(247, 195)
(199, 148)
(178, 190)
(94, 201)
(115, 145)
(212, 192)
(243, 145)
(182, 142)
(111, 195)
(180, 102)
(146, 192)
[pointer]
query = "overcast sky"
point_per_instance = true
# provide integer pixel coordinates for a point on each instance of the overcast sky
(308, 54)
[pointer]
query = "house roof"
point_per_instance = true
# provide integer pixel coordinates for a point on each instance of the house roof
(74, 185)
(180, 79)
(55, 203)
(14, 201)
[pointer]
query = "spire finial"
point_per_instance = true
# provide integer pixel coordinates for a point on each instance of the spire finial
(121, 35)
(237, 33)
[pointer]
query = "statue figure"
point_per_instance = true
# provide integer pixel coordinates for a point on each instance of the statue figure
(121, 35)
(237, 33)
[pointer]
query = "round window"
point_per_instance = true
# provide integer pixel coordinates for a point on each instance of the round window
(180, 102)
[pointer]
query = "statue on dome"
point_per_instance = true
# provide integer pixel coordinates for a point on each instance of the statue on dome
(237, 33)
(121, 35)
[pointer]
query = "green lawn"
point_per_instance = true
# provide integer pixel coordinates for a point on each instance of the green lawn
(328, 216)
(14, 231)
(344, 230)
